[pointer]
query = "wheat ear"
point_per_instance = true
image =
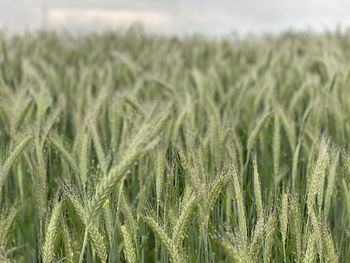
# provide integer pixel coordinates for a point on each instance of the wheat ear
(173, 251)
(51, 233)
(129, 249)
(12, 158)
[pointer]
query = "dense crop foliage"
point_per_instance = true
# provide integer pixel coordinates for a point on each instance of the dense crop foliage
(126, 147)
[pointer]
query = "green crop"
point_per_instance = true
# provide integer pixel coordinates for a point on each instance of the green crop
(129, 147)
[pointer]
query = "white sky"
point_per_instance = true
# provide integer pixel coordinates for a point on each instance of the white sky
(210, 17)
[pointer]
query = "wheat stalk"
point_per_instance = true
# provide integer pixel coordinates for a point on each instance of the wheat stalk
(6, 225)
(310, 253)
(68, 243)
(258, 236)
(284, 220)
(174, 253)
(296, 225)
(131, 223)
(84, 159)
(184, 220)
(51, 233)
(254, 134)
(57, 143)
(330, 185)
(276, 145)
(5, 169)
(257, 190)
(160, 165)
(269, 236)
(240, 204)
(129, 249)
(98, 146)
(40, 179)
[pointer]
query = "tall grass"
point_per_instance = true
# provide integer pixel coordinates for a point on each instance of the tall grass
(128, 147)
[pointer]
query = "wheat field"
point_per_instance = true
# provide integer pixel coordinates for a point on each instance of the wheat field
(130, 147)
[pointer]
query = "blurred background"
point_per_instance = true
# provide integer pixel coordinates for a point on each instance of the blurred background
(181, 17)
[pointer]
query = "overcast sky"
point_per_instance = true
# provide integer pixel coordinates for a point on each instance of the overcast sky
(215, 17)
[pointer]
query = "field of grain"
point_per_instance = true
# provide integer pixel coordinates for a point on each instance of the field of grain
(128, 147)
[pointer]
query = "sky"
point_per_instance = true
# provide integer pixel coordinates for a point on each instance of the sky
(181, 17)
